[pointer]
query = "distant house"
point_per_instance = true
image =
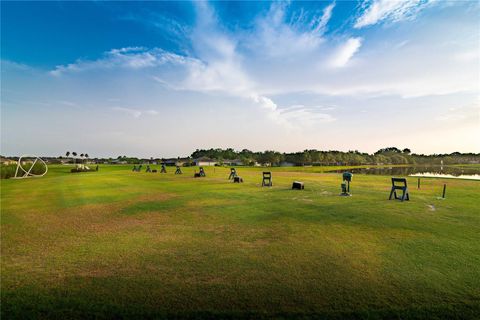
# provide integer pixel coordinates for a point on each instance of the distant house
(169, 162)
(204, 161)
(234, 162)
(287, 164)
(66, 160)
(52, 160)
(7, 161)
(176, 162)
(183, 161)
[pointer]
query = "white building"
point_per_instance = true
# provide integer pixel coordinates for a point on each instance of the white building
(204, 162)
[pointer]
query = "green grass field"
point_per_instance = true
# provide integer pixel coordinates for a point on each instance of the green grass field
(119, 244)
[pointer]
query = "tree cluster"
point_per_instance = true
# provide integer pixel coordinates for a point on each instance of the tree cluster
(74, 155)
(390, 155)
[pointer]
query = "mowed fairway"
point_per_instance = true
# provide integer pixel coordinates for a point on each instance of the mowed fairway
(117, 243)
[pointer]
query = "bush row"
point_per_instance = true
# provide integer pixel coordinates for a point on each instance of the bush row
(8, 171)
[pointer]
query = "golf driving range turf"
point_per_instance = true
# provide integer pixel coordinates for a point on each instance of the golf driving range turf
(123, 244)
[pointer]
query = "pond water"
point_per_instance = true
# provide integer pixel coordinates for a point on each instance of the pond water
(420, 171)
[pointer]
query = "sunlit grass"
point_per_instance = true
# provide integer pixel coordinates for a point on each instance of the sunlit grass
(115, 243)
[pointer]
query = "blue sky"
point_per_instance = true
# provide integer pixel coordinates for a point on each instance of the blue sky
(165, 78)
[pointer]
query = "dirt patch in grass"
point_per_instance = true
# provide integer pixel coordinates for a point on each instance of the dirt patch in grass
(49, 237)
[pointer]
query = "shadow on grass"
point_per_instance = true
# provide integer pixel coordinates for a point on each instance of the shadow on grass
(32, 304)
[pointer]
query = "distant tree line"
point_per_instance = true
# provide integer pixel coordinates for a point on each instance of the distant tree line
(386, 156)
(390, 155)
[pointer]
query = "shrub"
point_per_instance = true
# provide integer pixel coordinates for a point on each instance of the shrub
(8, 171)
(82, 169)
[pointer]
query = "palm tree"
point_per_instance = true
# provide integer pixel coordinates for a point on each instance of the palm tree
(67, 154)
(81, 157)
(74, 154)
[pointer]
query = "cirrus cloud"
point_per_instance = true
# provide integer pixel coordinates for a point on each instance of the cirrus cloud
(376, 11)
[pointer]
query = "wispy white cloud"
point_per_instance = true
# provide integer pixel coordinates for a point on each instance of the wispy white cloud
(302, 33)
(136, 113)
(129, 58)
(7, 64)
(167, 25)
(456, 114)
(221, 66)
(345, 52)
(225, 64)
(67, 103)
(294, 116)
(306, 116)
(325, 18)
(375, 11)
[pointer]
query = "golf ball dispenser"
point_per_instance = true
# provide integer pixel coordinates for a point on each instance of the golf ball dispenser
(233, 173)
(200, 174)
(347, 178)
